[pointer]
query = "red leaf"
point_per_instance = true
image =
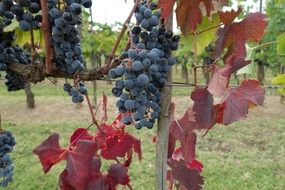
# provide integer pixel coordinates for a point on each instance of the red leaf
(203, 106)
(117, 174)
(229, 16)
(235, 35)
(190, 178)
(102, 135)
(188, 145)
(117, 124)
(96, 180)
(80, 134)
(78, 163)
(195, 164)
(189, 14)
(119, 145)
(105, 101)
(239, 100)
(49, 152)
(63, 184)
(219, 82)
(167, 7)
(219, 112)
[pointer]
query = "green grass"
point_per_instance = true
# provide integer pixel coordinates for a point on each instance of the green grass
(248, 155)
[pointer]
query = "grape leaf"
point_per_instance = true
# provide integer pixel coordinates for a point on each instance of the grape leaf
(238, 100)
(229, 16)
(96, 180)
(190, 178)
(118, 145)
(78, 163)
(203, 106)
(63, 184)
(195, 164)
(49, 152)
(189, 13)
(220, 80)
(79, 134)
(203, 39)
(103, 134)
(117, 174)
(235, 35)
(167, 7)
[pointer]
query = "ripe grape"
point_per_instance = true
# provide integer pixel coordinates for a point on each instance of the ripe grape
(146, 65)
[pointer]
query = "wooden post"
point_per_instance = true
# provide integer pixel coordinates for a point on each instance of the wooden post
(163, 130)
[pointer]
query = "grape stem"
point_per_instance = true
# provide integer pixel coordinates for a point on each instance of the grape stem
(206, 30)
(94, 120)
(130, 35)
(112, 55)
(46, 30)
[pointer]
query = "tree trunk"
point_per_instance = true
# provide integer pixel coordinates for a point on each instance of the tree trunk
(185, 73)
(260, 73)
(163, 130)
(29, 96)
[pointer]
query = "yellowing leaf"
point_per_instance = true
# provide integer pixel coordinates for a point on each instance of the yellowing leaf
(279, 80)
(281, 44)
(204, 38)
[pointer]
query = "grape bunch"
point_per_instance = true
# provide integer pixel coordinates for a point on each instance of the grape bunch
(65, 41)
(7, 143)
(76, 93)
(144, 68)
(12, 54)
(25, 12)
(65, 38)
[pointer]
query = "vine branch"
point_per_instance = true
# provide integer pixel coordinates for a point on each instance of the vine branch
(46, 30)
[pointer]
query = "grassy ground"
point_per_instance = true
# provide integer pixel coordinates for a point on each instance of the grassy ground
(248, 155)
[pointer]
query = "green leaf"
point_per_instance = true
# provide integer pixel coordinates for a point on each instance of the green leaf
(281, 44)
(23, 38)
(279, 80)
(202, 39)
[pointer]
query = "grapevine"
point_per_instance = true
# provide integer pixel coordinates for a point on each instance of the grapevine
(141, 74)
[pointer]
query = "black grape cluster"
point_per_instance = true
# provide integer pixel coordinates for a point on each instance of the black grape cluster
(25, 12)
(76, 93)
(13, 54)
(7, 143)
(65, 35)
(144, 68)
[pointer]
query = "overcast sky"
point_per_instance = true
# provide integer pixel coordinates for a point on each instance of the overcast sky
(110, 11)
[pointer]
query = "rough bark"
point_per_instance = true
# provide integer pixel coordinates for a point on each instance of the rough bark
(163, 130)
(30, 99)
